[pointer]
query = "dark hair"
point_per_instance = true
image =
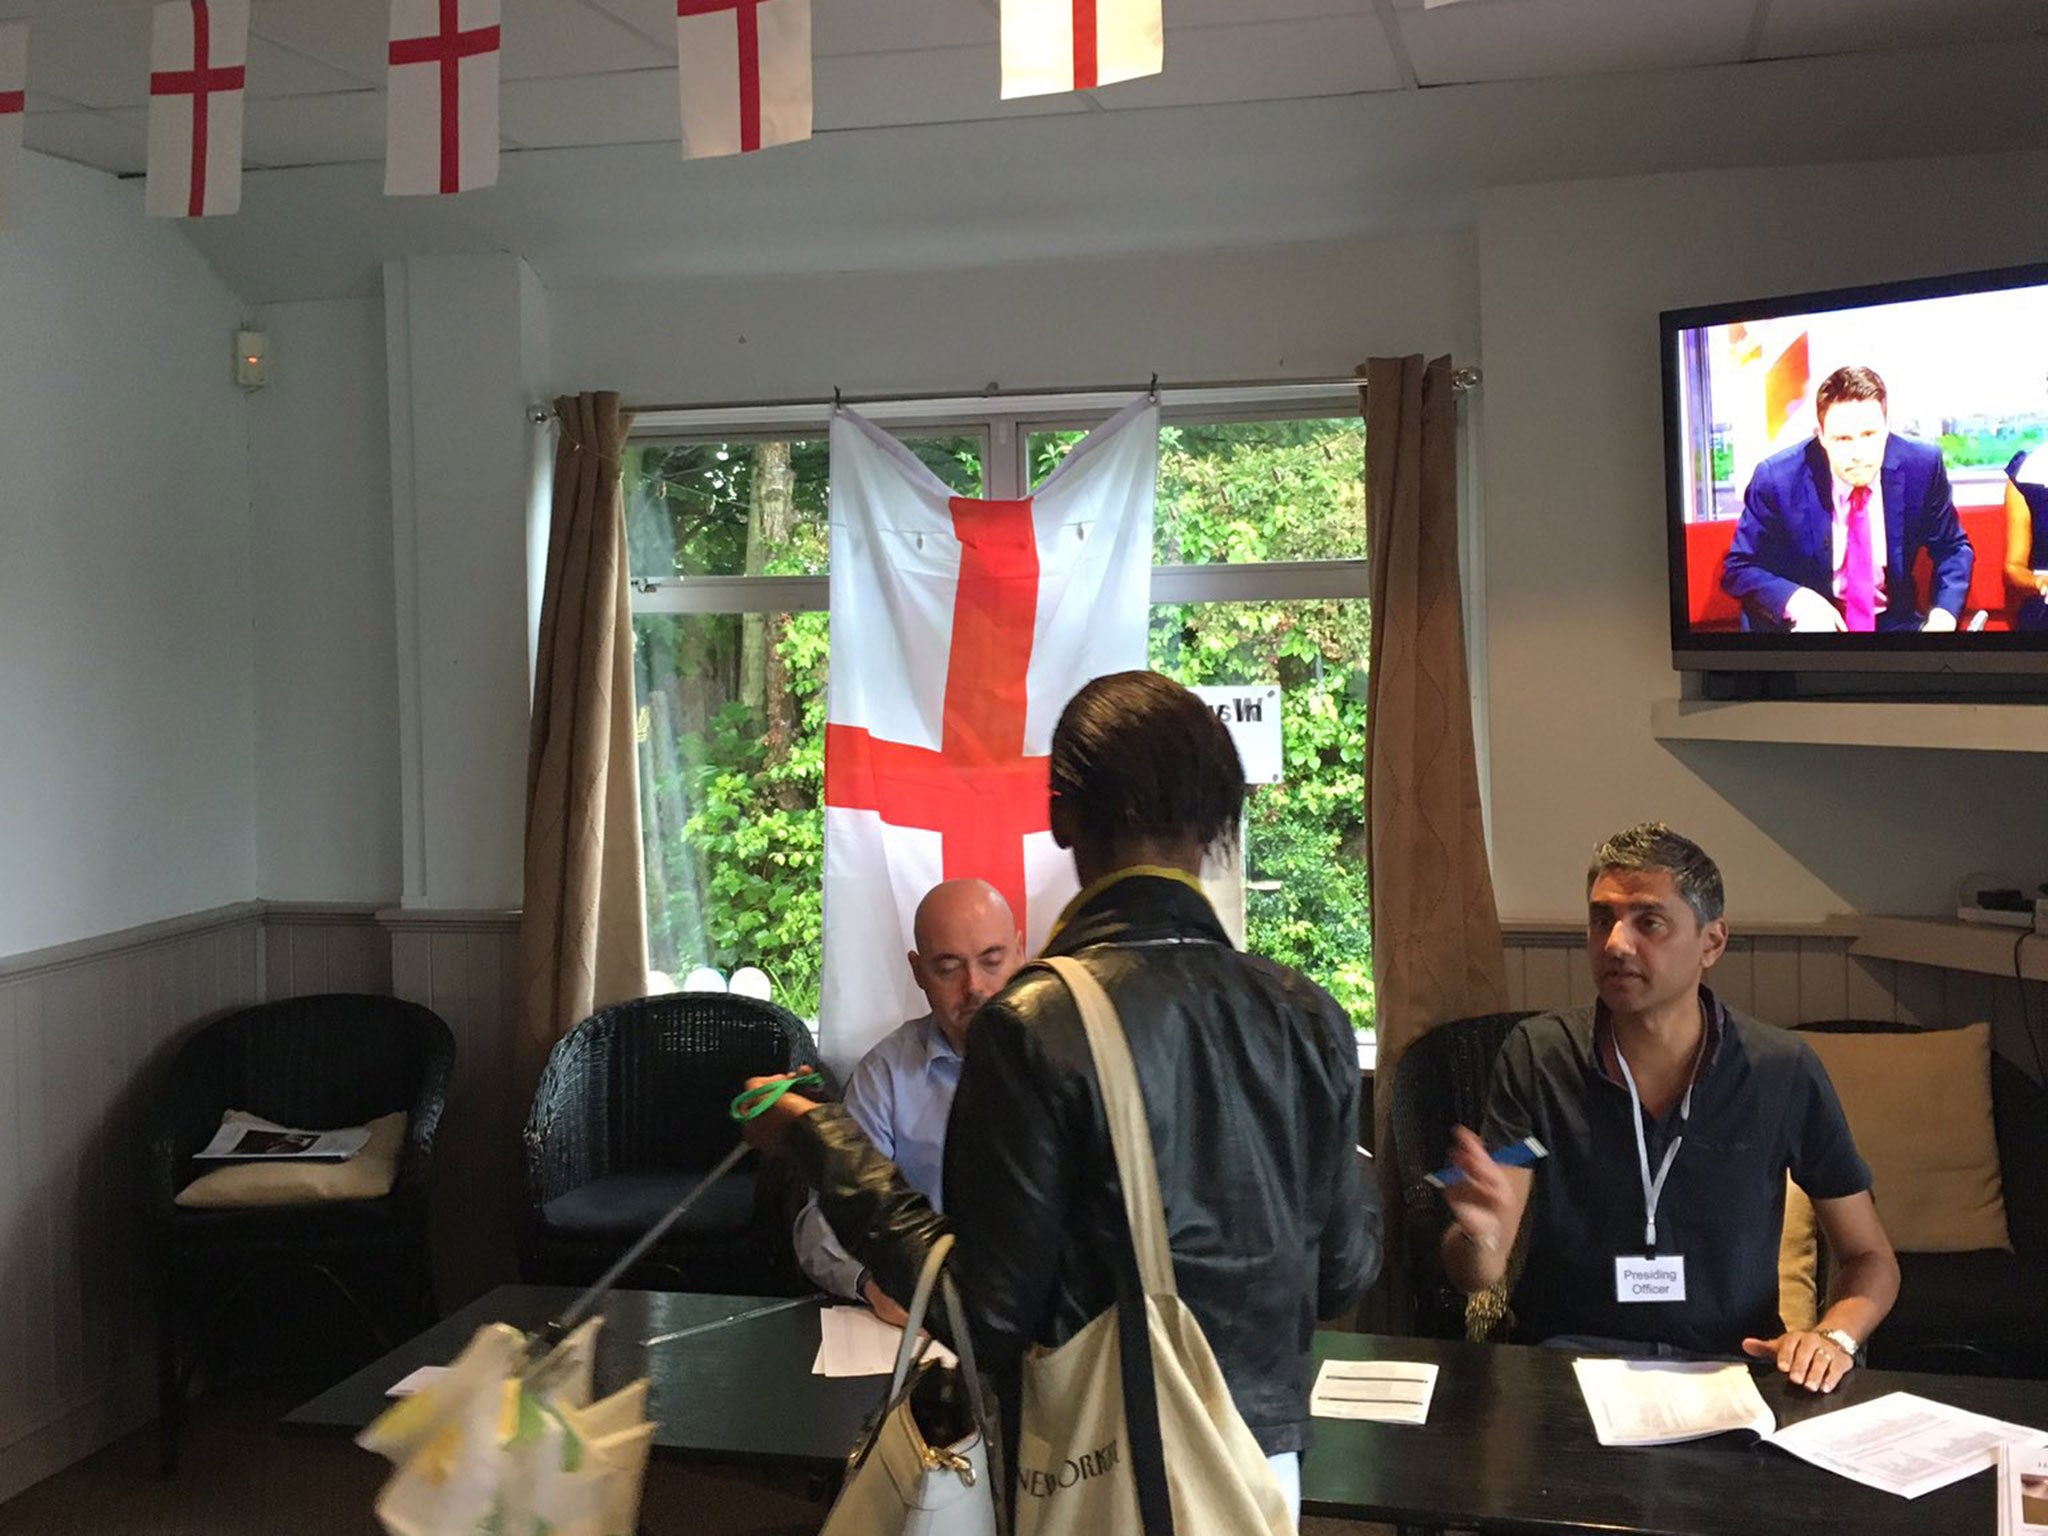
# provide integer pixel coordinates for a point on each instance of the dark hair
(1654, 846)
(1851, 383)
(1137, 755)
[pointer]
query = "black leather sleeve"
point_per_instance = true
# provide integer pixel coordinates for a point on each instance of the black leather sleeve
(877, 1217)
(1348, 1254)
(1009, 1150)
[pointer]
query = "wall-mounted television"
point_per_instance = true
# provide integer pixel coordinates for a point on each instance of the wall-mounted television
(1858, 479)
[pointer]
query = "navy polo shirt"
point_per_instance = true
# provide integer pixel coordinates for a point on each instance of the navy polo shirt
(1762, 1105)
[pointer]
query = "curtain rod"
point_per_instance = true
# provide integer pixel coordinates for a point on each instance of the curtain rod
(1462, 380)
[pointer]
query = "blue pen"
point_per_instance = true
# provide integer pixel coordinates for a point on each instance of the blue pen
(1516, 1154)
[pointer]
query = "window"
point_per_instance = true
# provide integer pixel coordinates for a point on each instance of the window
(1259, 577)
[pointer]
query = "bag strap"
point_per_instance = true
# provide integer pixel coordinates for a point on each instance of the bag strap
(929, 1279)
(1123, 1106)
(1150, 1268)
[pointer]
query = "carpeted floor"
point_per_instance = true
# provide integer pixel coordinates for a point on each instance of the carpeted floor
(242, 1477)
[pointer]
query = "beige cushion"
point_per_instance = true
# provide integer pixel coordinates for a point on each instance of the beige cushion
(1919, 1106)
(368, 1175)
(1798, 1278)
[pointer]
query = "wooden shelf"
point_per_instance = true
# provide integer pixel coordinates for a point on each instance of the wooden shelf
(1858, 723)
(1953, 946)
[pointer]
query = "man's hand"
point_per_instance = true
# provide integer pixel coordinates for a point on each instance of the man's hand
(1813, 1362)
(883, 1305)
(765, 1131)
(1484, 1200)
(1938, 621)
(1810, 613)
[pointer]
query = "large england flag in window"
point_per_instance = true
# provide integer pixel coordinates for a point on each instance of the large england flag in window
(960, 628)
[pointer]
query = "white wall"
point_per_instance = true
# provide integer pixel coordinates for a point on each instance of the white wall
(126, 771)
(1291, 311)
(1571, 279)
(326, 651)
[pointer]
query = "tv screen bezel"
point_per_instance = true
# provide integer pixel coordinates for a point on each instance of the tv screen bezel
(1742, 651)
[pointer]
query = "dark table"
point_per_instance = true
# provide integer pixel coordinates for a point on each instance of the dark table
(1509, 1448)
(741, 1393)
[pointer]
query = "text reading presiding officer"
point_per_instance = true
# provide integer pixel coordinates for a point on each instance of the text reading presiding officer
(1671, 1121)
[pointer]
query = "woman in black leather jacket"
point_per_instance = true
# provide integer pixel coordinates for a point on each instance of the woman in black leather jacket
(1249, 1073)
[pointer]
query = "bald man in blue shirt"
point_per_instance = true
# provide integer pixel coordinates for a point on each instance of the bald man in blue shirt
(901, 1093)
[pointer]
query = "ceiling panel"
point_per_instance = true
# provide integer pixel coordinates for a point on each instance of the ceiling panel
(112, 141)
(315, 130)
(1843, 26)
(350, 37)
(886, 26)
(638, 107)
(938, 85)
(1265, 61)
(564, 37)
(1216, 13)
(1536, 39)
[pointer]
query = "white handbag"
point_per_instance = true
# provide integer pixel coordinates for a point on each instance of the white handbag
(1075, 1475)
(899, 1483)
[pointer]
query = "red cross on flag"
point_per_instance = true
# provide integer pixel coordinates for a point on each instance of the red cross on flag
(441, 102)
(1075, 45)
(745, 68)
(13, 107)
(960, 629)
(197, 54)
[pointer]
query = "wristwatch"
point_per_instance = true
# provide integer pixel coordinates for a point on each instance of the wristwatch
(1841, 1340)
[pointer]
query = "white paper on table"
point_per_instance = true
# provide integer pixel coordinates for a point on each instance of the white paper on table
(2022, 1491)
(1660, 1402)
(1903, 1444)
(855, 1342)
(425, 1376)
(1382, 1391)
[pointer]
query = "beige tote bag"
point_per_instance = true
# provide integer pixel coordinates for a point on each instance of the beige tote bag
(1074, 1474)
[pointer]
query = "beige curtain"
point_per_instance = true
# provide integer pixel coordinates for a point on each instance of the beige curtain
(583, 933)
(1436, 947)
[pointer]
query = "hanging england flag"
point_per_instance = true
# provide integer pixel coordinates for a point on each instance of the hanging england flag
(441, 97)
(1075, 45)
(197, 55)
(745, 73)
(13, 108)
(960, 628)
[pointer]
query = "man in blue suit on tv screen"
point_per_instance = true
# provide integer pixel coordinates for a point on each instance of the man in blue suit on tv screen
(1830, 528)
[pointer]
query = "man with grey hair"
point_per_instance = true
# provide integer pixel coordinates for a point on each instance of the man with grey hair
(1670, 1121)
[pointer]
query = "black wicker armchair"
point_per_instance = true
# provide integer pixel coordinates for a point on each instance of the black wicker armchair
(319, 1062)
(1441, 1082)
(632, 1110)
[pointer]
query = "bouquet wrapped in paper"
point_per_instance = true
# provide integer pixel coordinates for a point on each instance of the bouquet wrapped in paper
(498, 1444)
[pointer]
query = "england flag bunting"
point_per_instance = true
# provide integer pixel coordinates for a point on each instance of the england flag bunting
(441, 101)
(197, 53)
(1075, 45)
(13, 108)
(745, 68)
(960, 628)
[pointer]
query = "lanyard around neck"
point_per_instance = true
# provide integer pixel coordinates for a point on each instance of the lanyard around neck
(1653, 1188)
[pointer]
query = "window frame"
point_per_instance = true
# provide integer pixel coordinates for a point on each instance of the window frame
(1005, 424)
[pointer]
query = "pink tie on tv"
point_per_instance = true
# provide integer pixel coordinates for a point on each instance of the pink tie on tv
(1859, 570)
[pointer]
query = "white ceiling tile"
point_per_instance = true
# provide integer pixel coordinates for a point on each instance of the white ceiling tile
(347, 35)
(1265, 60)
(111, 141)
(937, 85)
(1537, 39)
(50, 101)
(545, 38)
(314, 130)
(891, 26)
(1216, 13)
(635, 107)
(1844, 26)
(100, 58)
(276, 71)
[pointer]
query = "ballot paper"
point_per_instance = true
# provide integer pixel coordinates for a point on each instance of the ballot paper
(2022, 1491)
(855, 1342)
(1904, 1444)
(1383, 1391)
(1660, 1402)
(414, 1381)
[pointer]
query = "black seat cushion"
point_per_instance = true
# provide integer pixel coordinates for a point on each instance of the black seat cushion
(1989, 1301)
(627, 1204)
